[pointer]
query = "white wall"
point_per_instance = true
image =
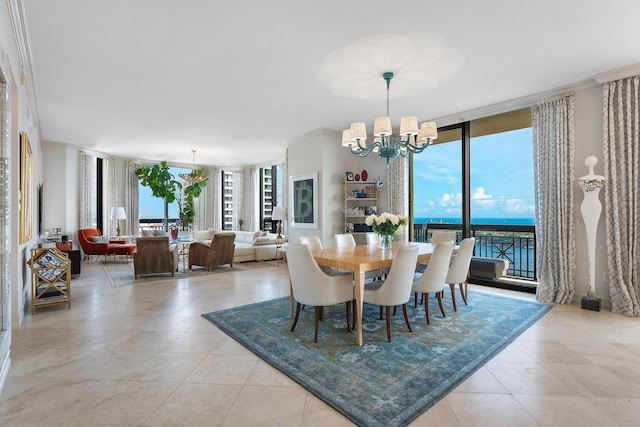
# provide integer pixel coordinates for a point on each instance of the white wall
(321, 151)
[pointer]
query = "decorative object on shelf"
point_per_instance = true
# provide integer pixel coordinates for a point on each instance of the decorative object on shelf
(379, 183)
(591, 209)
(364, 175)
(384, 143)
(349, 176)
(385, 225)
(196, 175)
(357, 177)
(118, 213)
(278, 214)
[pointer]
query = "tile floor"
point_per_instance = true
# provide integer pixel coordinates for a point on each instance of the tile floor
(142, 356)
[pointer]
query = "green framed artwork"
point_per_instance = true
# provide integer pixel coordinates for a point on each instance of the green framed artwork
(304, 200)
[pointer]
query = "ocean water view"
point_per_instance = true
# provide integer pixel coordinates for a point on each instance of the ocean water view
(503, 221)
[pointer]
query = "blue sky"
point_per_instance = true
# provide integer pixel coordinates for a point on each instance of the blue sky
(153, 207)
(501, 178)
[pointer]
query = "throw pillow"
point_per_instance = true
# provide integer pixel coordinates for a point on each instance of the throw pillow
(262, 241)
(159, 233)
(256, 235)
(99, 239)
(147, 233)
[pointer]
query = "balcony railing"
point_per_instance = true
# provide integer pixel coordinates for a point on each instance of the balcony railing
(515, 243)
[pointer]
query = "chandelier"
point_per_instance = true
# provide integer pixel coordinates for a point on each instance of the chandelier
(196, 175)
(384, 142)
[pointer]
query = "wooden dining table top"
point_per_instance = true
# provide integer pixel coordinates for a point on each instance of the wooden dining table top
(367, 257)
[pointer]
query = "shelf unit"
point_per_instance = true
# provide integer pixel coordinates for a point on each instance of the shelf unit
(356, 209)
(50, 278)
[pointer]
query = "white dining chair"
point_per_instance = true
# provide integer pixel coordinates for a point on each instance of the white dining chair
(311, 286)
(347, 241)
(344, 240)
(442, 236)
(437, 237)
(315, 244)
(459, 271)
(373, 238)
(433, 277)
(396, 288)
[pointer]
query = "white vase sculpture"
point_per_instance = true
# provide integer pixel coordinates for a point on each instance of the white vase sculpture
(591, 209)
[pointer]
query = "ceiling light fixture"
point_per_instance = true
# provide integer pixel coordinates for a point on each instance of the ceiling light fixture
(384, 143)
(196, 175)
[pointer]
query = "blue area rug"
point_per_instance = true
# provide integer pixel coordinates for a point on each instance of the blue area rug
(381, 383)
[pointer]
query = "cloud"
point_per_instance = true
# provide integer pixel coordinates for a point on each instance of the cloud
(479, 194)
(450, 200)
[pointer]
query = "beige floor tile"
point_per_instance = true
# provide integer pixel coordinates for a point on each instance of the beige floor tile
(592, 380)
(528, 378)
(482, 381)
(483, 409)
(626, 412)
(223, 369)
(265, 374)
(171, 367)
(439, 415)
(195, 405)
(562, 411)
(127, 403)
(267, 406)
(318, 414)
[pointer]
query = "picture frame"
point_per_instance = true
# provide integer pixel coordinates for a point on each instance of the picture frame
(349, 176)
(26, 188)
(304, 200)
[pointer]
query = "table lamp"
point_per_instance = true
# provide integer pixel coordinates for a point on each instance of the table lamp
(278, 214)
(118, 213)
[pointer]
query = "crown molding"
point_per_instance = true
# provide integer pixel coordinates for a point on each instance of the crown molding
(617, 74)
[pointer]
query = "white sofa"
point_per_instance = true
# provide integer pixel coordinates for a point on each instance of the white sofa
(249, 245)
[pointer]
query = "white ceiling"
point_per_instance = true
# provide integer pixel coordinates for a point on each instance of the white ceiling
(234, 80)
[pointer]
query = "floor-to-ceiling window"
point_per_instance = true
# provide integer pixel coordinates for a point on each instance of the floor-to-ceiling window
(227, 200)
(151, 208)
(477, 179)
(271, 191)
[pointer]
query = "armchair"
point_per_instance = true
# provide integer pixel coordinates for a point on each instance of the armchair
(210, 255)
(155, 255)
(90, 247)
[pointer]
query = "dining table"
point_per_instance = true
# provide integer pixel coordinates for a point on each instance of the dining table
(362, 258)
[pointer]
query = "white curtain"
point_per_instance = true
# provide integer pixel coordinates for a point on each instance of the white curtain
(207, 206)
(553, 149)
(109, 196)
(132, 199)
(238, 201)
(87, 190)
(252, 194)
(397, 191)
(621, 116)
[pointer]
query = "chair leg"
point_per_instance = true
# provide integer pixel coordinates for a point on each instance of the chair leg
(394, 309)
(388, 322)
(348, 304)
(415, 300)
(453, 295)
(425, 297)
(440, 304)
(380, 312)
(406, 317)
(295, 319)
(466, 289)
(316, 315)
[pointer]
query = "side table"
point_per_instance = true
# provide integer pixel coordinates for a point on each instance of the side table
(75, 258)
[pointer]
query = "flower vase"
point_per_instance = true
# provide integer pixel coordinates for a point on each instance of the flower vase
(174, 234)
(385, 241)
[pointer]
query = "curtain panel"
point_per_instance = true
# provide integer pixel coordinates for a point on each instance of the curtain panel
(132, 199)
(87, 190)
(109, 197)
(553, 154)
(397, 191)
(621, 147)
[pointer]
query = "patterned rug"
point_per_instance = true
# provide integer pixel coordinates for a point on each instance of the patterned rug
(381, 383)
(120, 271)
